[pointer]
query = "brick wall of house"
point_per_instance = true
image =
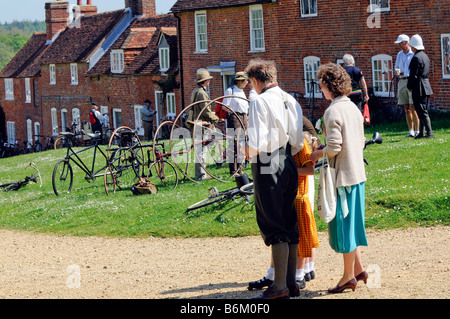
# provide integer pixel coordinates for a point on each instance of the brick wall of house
(338, 29)
(18, 111)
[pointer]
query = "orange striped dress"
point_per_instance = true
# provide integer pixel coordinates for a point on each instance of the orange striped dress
(308, 238)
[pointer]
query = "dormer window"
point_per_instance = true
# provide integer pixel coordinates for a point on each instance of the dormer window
(164, 54)
(117, 61)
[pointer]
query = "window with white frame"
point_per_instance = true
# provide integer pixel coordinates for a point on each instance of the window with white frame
(37, 130)
(171, 107)
(308, 8)
(138, 120)
(256, 28)
(11, 131)
(9, 89)
(117, 61)
(311, 66)
(379, 5)
(164, 60)
(73, 74)
(54, 116)
(76, 119)
(27, 90)
(117, 118)
(201, 32)
(382, 74)
(52, 72)
(64, 120)
(30, 131)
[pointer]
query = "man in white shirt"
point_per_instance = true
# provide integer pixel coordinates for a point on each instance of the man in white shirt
(238, 121)
(275, 133)
(403, 95)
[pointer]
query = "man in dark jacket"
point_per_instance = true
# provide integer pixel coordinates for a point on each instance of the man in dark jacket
(419, 85)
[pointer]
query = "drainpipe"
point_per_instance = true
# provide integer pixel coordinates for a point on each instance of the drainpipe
(180, 55)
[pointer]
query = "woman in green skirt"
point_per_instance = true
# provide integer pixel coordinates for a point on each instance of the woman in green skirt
(343, 128)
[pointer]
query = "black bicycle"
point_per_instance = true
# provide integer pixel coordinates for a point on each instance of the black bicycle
(244, 189)
(33, 178)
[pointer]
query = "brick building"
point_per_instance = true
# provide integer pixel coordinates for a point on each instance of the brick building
(111, 58)
(299, 35)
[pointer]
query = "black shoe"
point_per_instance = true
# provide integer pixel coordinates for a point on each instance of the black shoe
(420, 135)
(260, 284)
(312, 274)
(294, 291)
(409, 135)
(429, 136)
(301, 283)
(307, 276)
(271, 293)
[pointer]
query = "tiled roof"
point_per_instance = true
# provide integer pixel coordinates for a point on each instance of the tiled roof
(26, 63)
(76, 44)
(191, 5)
(140, 57)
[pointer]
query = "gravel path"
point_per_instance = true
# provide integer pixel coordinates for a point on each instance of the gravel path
(411, 263)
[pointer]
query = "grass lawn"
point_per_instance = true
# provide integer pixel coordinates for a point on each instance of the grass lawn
(408, 185)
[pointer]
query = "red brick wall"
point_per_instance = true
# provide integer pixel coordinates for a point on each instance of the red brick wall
(338, 29)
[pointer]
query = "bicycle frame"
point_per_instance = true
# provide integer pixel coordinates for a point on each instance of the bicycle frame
(71, 155)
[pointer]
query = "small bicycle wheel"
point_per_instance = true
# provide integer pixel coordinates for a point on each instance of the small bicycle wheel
(208, 201)
(163, 173)
(109, 181)
(59, 142)
(247, 189)
(62, 178)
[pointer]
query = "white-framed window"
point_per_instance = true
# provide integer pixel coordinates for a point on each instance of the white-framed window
(311, 66)
(308, 8)
(37, 130)
(27, 90)
(117, 61)
(73, 74)
(76, 117)
(382, 74)
(54, 116)
(379, 5)
(52, 72)
(171, 106)
(30, 131)
(64, 120)
(117, 117)
(11, 131)
(9, 89)
(164, 59)
(445, 50)
(201, 32)
(256, 28)
(138, 120)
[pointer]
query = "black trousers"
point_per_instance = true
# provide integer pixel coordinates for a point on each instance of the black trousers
(275, 183)
(421, 106)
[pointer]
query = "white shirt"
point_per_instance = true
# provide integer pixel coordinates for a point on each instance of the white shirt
(236, 104)
(402, 62)
(271, 126)
(252, 94)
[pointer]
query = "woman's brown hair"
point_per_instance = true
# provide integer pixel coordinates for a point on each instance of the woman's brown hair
(335, 78)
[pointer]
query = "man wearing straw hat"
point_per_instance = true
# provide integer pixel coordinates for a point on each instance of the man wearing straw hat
(206, 117)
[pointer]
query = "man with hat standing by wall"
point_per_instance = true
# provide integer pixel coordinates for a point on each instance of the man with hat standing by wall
(147, 117)
(96, 118)
(404, 96)
(419, 85)
(207, 117)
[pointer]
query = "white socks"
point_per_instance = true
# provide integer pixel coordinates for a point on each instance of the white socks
(299, 275)
(271, 274)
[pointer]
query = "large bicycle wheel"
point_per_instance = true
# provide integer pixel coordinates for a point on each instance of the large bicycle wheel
(213, 141)
(163, 173)
(62, 178)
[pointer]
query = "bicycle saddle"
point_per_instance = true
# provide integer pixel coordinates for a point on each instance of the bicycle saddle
(67, 133)
(94, 135)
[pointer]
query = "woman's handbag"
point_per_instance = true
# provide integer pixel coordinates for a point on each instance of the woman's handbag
(327, 193)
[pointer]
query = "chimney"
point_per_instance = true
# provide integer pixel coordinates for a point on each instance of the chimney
(142, 7)
(56, 17)
(87, 9)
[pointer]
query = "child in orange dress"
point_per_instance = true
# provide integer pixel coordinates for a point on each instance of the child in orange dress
(308, 238)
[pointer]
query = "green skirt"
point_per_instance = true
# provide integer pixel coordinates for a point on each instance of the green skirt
(345, 234)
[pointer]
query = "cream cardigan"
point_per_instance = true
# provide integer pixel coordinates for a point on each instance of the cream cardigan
(343, 129)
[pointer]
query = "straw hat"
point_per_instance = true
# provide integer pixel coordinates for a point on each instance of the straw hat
(203, 76)
(240, 76)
